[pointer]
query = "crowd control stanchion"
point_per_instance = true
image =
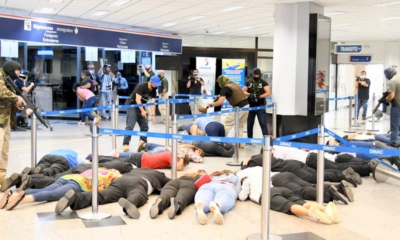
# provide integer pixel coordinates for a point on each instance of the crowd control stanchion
(167, 122)
(355, 111)
(174, 150)
(95, 214)
(236, 146)
(114, 123)
(196, 108)
(33, 141)
(266, 195)
(320, 166)
(373, 117)
(274, 120)
(350, 112)
(116, 112)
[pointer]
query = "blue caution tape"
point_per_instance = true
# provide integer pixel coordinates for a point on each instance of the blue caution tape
(224, 111)
(298, 135)
(337, 99)
(182, 136)
(124, 97)
(198, 95)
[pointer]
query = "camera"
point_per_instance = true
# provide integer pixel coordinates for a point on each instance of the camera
(140, 66)
(105, 66)
(216, 98)
(358, 78)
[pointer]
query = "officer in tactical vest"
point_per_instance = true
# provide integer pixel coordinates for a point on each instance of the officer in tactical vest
(235, 95)
(256, 90)
(8, 101)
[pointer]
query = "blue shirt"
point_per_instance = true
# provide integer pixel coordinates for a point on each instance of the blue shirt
(202, 122)
(68, 154)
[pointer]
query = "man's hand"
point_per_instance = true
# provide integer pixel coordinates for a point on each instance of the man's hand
(154, 119)
(20, 101)
(28, 111)
(144, 114)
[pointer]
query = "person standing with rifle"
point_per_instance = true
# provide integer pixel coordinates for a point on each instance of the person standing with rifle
(8, 101)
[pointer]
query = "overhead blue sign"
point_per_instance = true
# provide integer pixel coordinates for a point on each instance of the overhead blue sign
(35, 30)
(346, 48)
(360, 58)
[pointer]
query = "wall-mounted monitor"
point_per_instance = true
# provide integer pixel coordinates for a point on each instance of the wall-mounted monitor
(167, 62)
(45, 52)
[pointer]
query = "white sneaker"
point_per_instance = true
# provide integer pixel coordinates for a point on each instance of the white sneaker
(218, 218)
(201, 216)
(81, 123)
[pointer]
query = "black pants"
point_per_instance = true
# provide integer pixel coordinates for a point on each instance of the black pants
(133, 188)
(282, 199)
(361, 168)
(51, 165)
(262, 120)
(133, 115)
(182, 189)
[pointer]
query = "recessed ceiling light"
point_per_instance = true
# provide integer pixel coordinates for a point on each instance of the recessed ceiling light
(56, 1)
(388, 19)
(46, 10)
(216, 33)
(245, 28)
(169, 24)
(99, 13)
(119, 2)
(341, 25)
(386, 4)
(335, 13)
(196, 17)
(234, 8)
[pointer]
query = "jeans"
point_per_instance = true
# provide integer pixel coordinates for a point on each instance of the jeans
(215, 129)
(394, 124)
(90, 103)
(133, 116)
(364, 104)
(155, 148)
(54, 191)
(385, 138)
(262, 120)
(222, 194)
(105, 98)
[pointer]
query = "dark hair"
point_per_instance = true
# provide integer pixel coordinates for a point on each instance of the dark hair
(85, 72)
(364, 72)
(75, 86)
(186, 160)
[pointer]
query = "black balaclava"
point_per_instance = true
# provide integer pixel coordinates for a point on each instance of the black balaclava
(9, 68)
(389, 73)
(257, 71)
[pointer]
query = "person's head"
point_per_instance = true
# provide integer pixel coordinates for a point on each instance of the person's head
(155, 82)
(363, 74)
(12, 68)
(222, 80)
(195, 72)
(24, 75)
(256, 74)
(198, 173)
(202, 110)
(85, 74)
(185, 158)
(118, 74)
(390, 73)
(199, 151)
(148, 67)
(107, 68)
(75, 86)
(223, 172)
(91, 68)
(161, 73)
(332, 142)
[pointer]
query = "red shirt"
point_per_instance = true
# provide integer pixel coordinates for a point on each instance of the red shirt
(156, 161)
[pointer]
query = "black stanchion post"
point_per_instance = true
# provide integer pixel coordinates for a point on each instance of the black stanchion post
(320, 166)
(274, 120)
(236, 146)
(174, 150)
(373, 117)
(355, 111)
(95, 214)
(33, 141)
(350, 112)
(266, 195)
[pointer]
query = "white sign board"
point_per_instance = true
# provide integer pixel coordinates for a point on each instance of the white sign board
(91, 54)
(128, 56)
(9, 48)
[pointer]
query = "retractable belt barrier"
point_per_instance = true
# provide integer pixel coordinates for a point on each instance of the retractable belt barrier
(204, 96)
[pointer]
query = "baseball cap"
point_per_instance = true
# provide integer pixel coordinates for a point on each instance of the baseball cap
(155, 80)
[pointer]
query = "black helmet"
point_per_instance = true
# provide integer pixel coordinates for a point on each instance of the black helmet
(257, 71)
(24, 74)
(390, 72)
(9, 68)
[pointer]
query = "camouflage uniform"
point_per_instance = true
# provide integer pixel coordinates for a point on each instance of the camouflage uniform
(8, 98)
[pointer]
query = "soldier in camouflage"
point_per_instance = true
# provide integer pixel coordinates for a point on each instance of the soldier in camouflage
(8, 101)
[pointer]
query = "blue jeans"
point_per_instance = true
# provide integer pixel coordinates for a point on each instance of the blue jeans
(385, 138)
(215, 129)
(222, 194)
(133, 116)
(155, 148)
(394, 124)
(105, 98)
(90, 103)
(364, 104)
(55, 191)
(262, 120)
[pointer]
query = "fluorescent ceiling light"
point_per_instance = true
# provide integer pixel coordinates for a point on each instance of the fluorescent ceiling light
(119, 2)
(169, 24)
(56, 1)
(386, 4)
(234, 8)
(99, 13)
(216, 33)
(46, 10)
(266, 35)
(388, 19)
(334, 13)
(341, 25)
(245, 28)
(196, 17)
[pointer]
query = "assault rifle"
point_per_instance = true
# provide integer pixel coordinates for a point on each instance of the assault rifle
(28, 102)
(381, 100)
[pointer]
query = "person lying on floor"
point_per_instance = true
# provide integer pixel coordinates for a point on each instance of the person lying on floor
(370, 136)
(303, 171)
(77, 182)
(178, 193)
(131, 191)
(53, 163)
(218, 196)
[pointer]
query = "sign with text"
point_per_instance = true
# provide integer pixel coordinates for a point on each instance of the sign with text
(359, 58)
(9, 48)
(91, 54)
(207, 70)
(347, 48)
(128, 56)
(234, 69)
(45, 31)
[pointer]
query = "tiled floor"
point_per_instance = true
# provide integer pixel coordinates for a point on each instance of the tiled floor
(373, 214)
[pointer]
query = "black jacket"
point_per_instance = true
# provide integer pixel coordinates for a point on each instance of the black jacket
(215, 149)
(157, 179)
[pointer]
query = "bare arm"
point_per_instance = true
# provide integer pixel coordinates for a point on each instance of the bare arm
(390, 97)
(267, 92)
(245, 91)
(221, 100)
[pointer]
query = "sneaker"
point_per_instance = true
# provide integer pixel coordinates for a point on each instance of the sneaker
(318, 215)
(155, 209)
(141, 146)
(218, 218)
(81, 123)
(96, 120)
(9, 182)
(125, 148)
(25, 182)
(173, 209)
(331, 211)
(241, 145)
(66, 201)
(201, 216)
(129, 208)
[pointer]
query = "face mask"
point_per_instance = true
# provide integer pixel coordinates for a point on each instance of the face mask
(147, 69)
(159, 76)
(362, 76)
(91, 71)
(256, 78)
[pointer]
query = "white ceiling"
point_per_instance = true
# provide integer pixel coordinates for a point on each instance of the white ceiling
(360, 19)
